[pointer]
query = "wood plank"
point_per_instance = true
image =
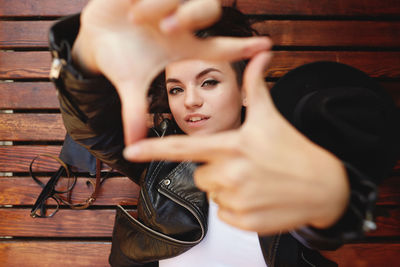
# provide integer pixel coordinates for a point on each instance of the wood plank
(365, 255)
(14, 34)
(21, 8)
(376, 64)
(388, 221)
(42, 95)
(66, 223)
(69, 223)
(24, 191)
(29, 95)
(18, 158)
(24, 65)
(320, 33)
(87, 253)
(26, 127)
(389, 191)
(54, 253)
(17, 34)
(320, 8)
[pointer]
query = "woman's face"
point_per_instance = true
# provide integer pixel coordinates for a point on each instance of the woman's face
(203, 96)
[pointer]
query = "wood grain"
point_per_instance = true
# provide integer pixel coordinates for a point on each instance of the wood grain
(28, 95)
(20, 65)
(380, 64)
(66, 223)
(54, 253)
(23, 8)
(114, 191)
(365, 255)
(319, 33)
(18, 158)
(99, 222)
(20, 34)
(25, 127)
(42, 95)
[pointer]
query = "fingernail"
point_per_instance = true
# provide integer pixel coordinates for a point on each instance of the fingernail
(169, 24)
(131, 151)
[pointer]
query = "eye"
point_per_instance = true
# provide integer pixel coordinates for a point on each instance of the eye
(209, 83)
(175, 90)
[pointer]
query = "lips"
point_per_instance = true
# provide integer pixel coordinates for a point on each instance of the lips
(195, 118)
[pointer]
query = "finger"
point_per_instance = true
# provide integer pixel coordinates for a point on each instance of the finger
(134, 114)
(218, 176)
(230, 48)
(192, 15)
(258, 98)
(180, 148)
(152, 10)
(260, 221)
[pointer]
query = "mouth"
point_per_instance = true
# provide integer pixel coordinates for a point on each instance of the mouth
(194, 119)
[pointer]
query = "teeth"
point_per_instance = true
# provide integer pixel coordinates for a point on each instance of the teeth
(193, 119)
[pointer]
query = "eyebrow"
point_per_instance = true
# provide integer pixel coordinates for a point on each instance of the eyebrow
(202, 73)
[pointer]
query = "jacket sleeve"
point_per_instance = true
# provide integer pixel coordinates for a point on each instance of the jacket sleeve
(90, 107)
(368, 155)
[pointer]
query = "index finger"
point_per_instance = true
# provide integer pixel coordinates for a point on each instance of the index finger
(181, 148)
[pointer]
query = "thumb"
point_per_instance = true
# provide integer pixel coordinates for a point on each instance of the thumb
(254, 86)
(134, 114)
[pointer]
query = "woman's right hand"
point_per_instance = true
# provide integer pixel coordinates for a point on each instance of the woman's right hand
(131, 41)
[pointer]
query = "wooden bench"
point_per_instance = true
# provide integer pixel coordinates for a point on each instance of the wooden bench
(364, 34)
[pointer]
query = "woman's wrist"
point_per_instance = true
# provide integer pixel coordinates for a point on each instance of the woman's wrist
(334, 196)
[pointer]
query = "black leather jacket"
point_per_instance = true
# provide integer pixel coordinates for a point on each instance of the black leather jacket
(91, 113)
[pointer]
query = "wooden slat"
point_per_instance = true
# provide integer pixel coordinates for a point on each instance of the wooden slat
(389, 191)
(29, 95)
(42, 95)
(16, 34)
(387, 221)
(18, 158)
(66, 223)
(320, 8)
(53, 253)
(22, 8)
(24, 65)
(320, 33)
(24, 191)
(83, 254)
(365, 255)
(376, 64)
(25, 127)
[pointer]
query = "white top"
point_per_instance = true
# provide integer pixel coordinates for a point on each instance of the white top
(223, 246)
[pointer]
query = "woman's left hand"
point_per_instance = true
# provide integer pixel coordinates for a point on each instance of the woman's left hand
(266, 176)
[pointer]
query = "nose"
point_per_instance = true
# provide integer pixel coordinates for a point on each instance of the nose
(193, 98)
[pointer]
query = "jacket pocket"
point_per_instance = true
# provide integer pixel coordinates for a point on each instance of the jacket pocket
(142, 244)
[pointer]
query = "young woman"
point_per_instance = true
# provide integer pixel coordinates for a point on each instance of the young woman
(206, 96)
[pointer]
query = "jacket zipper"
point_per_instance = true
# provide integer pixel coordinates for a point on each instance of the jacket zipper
(160, 235)
(275, 248)
(183, 204)
(149, 213)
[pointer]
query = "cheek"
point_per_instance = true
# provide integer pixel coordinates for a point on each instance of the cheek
(176, 107)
